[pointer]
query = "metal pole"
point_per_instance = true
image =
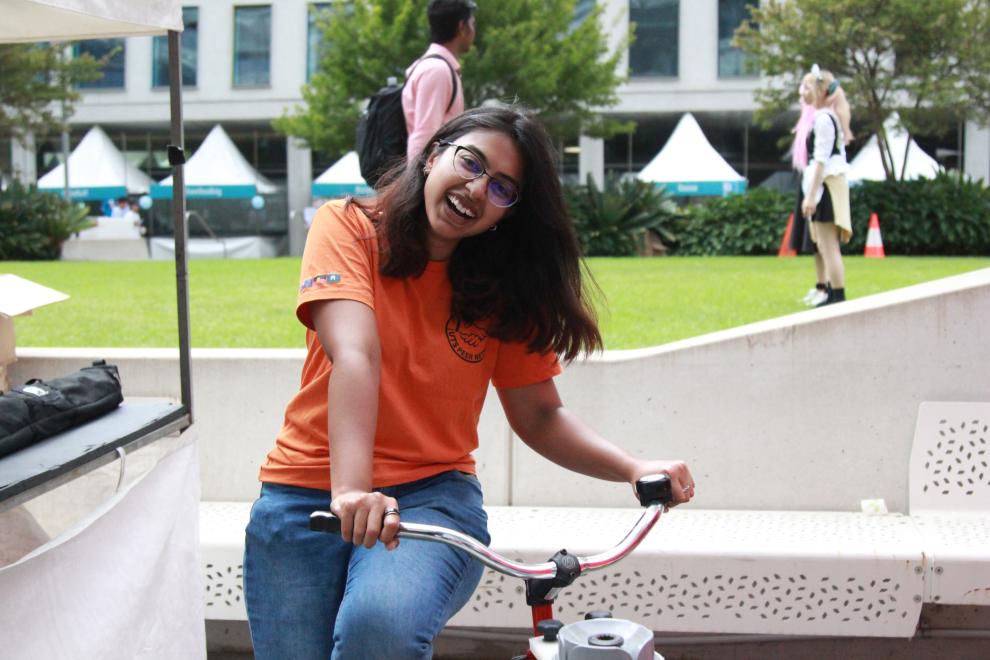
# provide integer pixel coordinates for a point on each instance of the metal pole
(65, 156)
(177, 159)
(123, 140)
(63, 55)
(960, 163)
(629, 150)
(746, 150)
(151, 158)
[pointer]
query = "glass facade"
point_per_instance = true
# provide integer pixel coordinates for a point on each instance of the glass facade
(314, 37)
(113, 67)
(654, 52)
(582, 9)
(252, 46)
(732, 62)
(190, 44)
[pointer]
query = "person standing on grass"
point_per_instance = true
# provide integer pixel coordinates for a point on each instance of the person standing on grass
(824, 188)
(800, 239)
(433, 93)
(463, 272)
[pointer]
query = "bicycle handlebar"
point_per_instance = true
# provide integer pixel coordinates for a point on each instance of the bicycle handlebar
(654, 493)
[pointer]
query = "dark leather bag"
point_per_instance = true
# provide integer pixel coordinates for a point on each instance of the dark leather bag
(40, 409)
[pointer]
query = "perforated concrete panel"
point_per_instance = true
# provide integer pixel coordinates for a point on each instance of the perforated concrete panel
(811, 573)
(698, 571)
(950, 458)
(221, 540)
(950, 499)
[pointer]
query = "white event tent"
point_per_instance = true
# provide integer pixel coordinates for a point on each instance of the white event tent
(689, 166)
(97, 170)
(342, 178)
(868, 165)
(217, 170)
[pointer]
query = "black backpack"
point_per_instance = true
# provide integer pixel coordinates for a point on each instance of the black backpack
(381, 131)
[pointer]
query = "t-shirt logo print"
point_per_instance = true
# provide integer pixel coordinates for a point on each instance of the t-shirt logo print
(466, 340)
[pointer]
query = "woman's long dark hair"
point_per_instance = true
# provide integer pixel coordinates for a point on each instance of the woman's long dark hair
(523, 281)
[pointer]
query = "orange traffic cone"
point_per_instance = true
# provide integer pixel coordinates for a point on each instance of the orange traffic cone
(785, 245)
(874, 242)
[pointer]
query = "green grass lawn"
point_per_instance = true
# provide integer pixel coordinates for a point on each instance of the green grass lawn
(250, 303)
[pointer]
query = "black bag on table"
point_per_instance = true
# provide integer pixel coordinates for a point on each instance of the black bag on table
(42, 408)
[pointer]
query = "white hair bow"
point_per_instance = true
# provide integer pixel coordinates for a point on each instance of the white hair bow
(816, 71)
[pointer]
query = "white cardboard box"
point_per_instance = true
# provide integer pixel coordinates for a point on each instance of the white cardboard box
(18, 297)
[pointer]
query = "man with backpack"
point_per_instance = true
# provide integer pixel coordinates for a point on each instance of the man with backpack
(433, 93)
(400, 119)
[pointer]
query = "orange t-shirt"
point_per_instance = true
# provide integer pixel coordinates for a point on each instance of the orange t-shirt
(434, 373)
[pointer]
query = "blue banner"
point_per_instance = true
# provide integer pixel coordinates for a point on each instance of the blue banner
(341, 189)
(703, 188)
(90, 194)
(159, 191)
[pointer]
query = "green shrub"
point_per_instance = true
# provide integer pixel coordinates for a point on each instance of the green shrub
(33, 224)
(943, 216)
(613, 221)
(749, 224)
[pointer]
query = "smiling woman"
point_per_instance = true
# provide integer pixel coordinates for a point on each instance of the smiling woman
(462, 198)
(463, 272)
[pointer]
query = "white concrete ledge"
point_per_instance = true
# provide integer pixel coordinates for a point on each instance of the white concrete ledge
(813, 411)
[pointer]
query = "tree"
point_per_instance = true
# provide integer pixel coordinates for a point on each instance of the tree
(527, 51)
(37, 84)
(927, 61)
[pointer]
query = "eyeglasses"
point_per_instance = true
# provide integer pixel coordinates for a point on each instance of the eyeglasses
(501, 191)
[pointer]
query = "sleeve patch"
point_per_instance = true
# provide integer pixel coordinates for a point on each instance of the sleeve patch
(329, 278)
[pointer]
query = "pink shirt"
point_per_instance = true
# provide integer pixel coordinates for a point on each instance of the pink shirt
(427, 95)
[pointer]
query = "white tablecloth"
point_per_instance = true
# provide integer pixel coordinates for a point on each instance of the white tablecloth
(124, 582)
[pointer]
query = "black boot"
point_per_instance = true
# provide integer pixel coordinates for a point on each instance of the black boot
(834, 296)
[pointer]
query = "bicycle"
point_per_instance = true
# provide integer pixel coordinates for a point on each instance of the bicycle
(599, 635)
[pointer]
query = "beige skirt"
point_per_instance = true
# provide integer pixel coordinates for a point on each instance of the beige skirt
(838, 190)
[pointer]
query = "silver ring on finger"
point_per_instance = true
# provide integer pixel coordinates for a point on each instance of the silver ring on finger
(391, 512)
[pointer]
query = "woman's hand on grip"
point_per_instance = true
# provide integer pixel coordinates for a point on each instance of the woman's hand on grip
(681, 481)
(366, 518)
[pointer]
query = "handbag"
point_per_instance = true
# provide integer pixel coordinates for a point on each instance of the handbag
(40, 409)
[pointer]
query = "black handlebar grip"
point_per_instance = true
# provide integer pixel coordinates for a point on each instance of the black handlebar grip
(654, 489)
(324, 521)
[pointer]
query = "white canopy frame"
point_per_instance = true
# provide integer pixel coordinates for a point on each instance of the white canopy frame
(57, 20)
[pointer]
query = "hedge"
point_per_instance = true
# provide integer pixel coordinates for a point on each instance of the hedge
(941, 216)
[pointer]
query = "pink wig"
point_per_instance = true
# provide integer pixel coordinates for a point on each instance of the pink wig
(799, 154)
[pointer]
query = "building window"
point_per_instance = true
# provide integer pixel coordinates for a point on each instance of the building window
(190, 43)
(113, 66)
(732, 62)
(252, 45)
(582, 9)
(654, 52)
(314, 36)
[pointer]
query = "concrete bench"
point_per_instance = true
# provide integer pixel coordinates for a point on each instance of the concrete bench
(782, 572)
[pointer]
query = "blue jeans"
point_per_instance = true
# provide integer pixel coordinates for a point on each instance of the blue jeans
(310, 596)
